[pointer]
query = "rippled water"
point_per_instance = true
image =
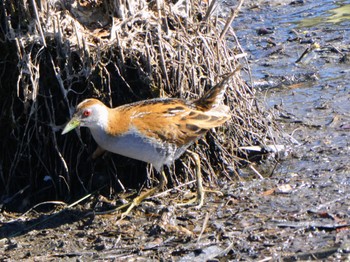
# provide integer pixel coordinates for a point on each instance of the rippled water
(293, 28)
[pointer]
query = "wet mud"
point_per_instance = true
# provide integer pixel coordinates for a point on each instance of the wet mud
(299, 210)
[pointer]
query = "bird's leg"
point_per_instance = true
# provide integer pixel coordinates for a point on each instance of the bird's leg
(98, 152)
(199, 179)
(200, 189)
(137, 200)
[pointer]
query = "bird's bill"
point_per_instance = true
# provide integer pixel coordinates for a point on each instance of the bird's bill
(72, 124)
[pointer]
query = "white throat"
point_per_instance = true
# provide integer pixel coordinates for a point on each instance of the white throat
(100, 117)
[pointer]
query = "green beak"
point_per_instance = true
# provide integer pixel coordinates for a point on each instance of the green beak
(72, 124)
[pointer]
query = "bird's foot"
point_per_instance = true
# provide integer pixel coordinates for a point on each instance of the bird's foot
(197, 203)
(128, 206)
(137, 200)
(198, 200)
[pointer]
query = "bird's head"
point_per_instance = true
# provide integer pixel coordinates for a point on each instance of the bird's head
(90, 113)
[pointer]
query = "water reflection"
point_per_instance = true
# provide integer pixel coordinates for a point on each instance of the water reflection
(335, 16)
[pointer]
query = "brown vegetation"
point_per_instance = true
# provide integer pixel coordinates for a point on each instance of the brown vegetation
(55, 55)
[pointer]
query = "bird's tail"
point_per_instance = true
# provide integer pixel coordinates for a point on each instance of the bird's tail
(214, 96)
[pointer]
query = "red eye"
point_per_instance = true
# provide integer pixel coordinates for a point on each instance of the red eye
(86, 113)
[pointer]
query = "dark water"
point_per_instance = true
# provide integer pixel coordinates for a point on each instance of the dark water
(293, 28)
(314, 18)
(314, 98)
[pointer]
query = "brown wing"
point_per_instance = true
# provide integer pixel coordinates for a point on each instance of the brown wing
(175, 121)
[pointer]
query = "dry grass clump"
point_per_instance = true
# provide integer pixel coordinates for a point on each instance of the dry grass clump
(59, 52)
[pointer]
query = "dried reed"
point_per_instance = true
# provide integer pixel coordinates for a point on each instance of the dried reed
(59, 52)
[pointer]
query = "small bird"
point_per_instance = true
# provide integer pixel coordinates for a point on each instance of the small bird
(157, 131)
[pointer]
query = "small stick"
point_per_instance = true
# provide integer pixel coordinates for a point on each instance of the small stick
(308, 50)
(38, 21)
(256, 172)
(160, 45)
(234, 13)
(205, 222)
(209, 11)
(174, 188)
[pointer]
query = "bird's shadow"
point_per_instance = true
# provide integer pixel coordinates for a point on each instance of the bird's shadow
(44, 221)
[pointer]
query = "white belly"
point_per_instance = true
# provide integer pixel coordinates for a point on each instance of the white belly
(137, 147)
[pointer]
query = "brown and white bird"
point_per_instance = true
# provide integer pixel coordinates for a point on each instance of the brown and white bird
(156, 131)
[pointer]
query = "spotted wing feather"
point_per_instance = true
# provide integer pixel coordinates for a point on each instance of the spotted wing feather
(173, 121)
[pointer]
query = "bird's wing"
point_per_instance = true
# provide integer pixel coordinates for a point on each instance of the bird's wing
(175, 121)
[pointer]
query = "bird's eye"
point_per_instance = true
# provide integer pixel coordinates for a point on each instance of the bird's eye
(86, 113)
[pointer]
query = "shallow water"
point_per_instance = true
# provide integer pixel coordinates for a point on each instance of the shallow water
(284, 20)
(314, 101)
(328, 15)
(293, 28)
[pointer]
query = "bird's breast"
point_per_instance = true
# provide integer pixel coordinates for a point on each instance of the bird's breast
(137, 146)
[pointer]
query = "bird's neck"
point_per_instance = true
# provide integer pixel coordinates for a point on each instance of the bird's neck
(101, 124)
(118, 121)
